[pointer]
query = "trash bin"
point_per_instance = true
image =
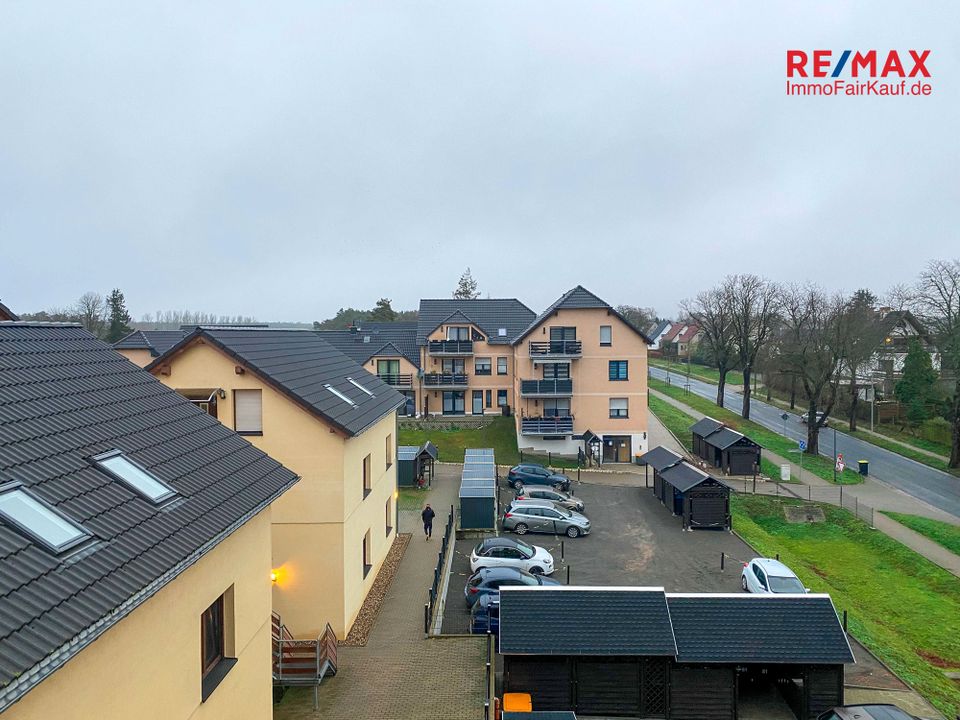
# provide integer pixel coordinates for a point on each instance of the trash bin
(863, 467)
(505, 409)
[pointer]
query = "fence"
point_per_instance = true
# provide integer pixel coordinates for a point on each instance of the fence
(434, 590)
(837, 495)
(490, 702)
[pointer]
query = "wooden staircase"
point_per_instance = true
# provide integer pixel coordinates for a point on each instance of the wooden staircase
(302, 663)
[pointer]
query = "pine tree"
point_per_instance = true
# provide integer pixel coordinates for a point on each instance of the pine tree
(119, 317)
(383, 312)
(466, 288)
(917, 386)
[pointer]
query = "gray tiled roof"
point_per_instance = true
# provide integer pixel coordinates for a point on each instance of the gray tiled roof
(488, 314)
(156, 341)
(578, 298)
(802, 629)
(65, 396)
(594, 621)
(705, 426)
(684, 476)
(299, 363)
(726, 437)
(399, 338)
(660, 458)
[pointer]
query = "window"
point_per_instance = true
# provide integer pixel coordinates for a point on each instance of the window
(501, 366)
(453, 402)
(501, 398)
(618, 408)
(388, 368)
(481, 366)
(489, 398)
(389, 516)
(216, 643)
(558, 407)
(556, 371)
(38, 520)
(477, 407)
(389, 451)
(618, 370)
(452, 366)
(367, 481)
(562, 333)
(606, 335)
(134, 476)
(367, 555)
(211, 635)
(458, 333)
(248, 412)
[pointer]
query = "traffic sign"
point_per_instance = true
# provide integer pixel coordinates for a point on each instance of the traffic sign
(802, 444)
(840, 464)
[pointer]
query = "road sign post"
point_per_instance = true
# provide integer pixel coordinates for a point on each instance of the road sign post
(802, 444)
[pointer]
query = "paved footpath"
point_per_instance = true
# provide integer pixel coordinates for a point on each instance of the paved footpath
(399, 673)
(872, 492)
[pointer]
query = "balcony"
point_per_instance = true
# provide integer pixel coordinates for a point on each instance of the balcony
(446, 381)
(450, 347)
(397, 380)
(546, 388)
(553, 350)
(546, 426)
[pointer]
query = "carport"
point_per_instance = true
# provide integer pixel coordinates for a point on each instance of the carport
(700, 500)
(702, 429)
(724, 448)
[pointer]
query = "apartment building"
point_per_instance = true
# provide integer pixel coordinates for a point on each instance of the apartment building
(305, 403)
(134, 542)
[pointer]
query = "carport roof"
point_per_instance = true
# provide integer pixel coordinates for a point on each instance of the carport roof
(430, 449)
(660, 458)
(789, 629)
(705, 426)
(596, 621)
(727, 437)
(684, 476)
(407, 452)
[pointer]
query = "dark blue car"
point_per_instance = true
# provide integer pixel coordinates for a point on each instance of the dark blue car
(488, 581)
(533, 474)
(485, 615)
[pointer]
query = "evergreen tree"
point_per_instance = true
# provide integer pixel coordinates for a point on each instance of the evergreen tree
(119, 318)
(383, 312)
(917, 386)
(466, 288)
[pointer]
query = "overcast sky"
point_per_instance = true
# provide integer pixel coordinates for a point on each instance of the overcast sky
(282, 160)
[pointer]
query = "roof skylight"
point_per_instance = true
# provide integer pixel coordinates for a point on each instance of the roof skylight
(359, 386)
(39, 521)
(136, 477)
(341, 395)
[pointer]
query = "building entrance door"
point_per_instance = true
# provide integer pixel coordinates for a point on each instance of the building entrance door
(616, 448)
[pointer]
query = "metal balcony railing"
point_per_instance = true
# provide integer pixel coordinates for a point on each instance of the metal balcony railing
(450, 347)
(546, 426)
(546, 388)
(445, 380)
(397, 379)
(556, 348)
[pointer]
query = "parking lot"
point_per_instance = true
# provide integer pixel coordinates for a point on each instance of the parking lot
(634, 541)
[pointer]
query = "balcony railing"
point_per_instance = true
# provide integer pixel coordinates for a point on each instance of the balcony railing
(450, 347)
(556, 349)
(445, 380)
(546, 426)
(546, 388)
(404, 380)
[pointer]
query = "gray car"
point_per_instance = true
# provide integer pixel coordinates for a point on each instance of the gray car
(561, 498)
(523, 516)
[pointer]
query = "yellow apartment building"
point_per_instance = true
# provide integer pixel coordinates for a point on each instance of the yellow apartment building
(302, 401)
(135, 570)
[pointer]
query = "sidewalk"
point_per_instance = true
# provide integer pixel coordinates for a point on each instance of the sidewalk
(400, 673)
(872, 492)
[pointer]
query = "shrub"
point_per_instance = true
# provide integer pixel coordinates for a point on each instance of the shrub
(936, 430)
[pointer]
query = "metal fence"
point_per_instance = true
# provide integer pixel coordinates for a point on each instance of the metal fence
(838, 495)
(490, 701)
(434, 590)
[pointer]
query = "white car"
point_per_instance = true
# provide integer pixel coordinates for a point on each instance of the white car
(507, 552)
(768, 576)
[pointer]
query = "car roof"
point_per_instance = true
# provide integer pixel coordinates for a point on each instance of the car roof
(530, 465)
(774, 567)
(499, 542)
(539, 488)
(532, 502)
(877, 712)
(500, 572)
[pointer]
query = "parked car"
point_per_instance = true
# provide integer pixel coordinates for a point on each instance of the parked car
(866, 712)
(769, 576)
(821, 418)
(489, 581)
(507, 552)
(523, 516)
(485, 615)
(561, 498)
(533, 474)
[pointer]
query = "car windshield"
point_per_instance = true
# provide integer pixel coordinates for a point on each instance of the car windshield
(529, 580)
(785, 584)
(563, 511)
(478, 549)
(527, 551)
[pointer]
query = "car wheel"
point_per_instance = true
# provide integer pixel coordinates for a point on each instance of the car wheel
(573, 531)
(743, 583)
(536, 571)
(520, 529)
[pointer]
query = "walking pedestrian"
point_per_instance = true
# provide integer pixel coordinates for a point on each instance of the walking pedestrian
(427, 516)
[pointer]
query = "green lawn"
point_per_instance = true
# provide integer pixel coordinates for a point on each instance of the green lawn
(500, 434)
(907, 452)
(818, 465)
(896, 433)
(703, 372)
(940, 532)
(901, 606)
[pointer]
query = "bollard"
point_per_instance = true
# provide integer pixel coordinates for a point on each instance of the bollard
(549, 458)
(844, 620)
(486, 710)
(841, 496)
(568, 574)
(778, 557)
(809, 493)
(561, 550)
(578, 475)
(426, 619)
(721, 561)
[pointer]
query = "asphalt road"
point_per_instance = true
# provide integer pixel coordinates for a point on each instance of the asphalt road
(935, 487)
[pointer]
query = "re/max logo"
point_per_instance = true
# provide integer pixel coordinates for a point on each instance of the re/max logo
(820, 64)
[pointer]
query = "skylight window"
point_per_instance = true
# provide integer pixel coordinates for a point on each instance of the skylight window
(502, 332)
(341, 396)
(136, 477)
(39, 521)
(359, 386)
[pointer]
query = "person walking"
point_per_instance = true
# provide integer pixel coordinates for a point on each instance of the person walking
(427, 516)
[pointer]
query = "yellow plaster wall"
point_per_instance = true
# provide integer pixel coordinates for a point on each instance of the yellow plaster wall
(140, 358)
(493, 382)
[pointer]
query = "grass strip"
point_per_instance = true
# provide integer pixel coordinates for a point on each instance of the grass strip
(701, 372)
(940, 532)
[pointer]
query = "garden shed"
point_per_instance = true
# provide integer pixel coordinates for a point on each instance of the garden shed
(699, 499)
(407, 465)
(725, 448)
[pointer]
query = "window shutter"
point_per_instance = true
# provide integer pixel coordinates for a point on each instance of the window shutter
(248, 410)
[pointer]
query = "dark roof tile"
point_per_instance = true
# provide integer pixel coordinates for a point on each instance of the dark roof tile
(489, 314)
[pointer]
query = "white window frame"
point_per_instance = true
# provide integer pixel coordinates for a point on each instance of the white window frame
(244, 392)
(135, 472)
(50, 514)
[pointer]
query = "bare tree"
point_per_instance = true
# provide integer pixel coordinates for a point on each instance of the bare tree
(864, 335)
(712, 311)
(91, 309)
(754, 306)
(936, 301)
(639, 317)
(812, 349)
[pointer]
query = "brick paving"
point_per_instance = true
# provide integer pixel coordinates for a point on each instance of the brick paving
(399, 673)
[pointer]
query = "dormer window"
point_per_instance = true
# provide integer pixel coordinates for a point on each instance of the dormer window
(38, 520)
(134, 476)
